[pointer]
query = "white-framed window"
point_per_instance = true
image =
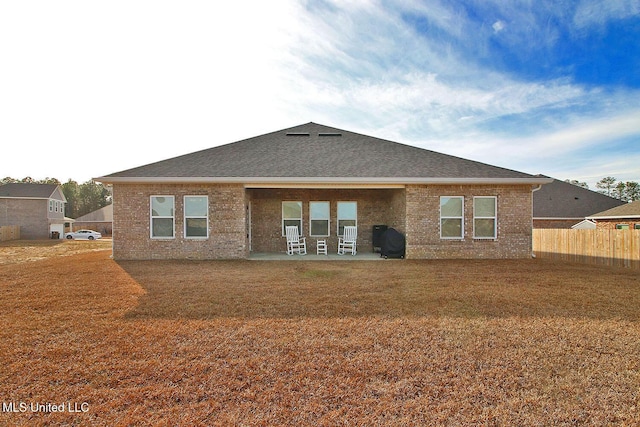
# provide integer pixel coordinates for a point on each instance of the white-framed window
(162, 217)
(62, 208)
(292, 215)
(622, 226)
(636, 227)
(451, 217)
(319, 219)
(347, 215)
(196, 217)
(56, 204)
(485, 217)
(50, 205)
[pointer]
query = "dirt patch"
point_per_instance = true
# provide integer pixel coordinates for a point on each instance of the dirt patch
(300, 343)
(19, 251)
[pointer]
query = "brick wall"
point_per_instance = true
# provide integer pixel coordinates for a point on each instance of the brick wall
(610, 224)
(131, 222)
(414, 211)
(423, 223)
(384, 206)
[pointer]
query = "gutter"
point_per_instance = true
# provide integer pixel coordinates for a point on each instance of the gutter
(596, 218)
(552, 218)
(30, 198)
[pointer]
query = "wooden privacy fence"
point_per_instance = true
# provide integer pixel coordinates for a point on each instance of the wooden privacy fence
(620, 248)
(9, 232)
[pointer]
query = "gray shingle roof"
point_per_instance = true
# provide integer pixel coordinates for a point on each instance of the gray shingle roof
(627, 210)
(104, 214)
(563, 200)
(315, 151)
(27, 190)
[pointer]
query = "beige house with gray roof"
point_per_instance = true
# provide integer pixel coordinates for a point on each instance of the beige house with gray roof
(234, 200)
(37, 208)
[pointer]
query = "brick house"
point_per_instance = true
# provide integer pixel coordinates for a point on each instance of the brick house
(624, 217)
(235, 199)
(560, 204)
(37, 208)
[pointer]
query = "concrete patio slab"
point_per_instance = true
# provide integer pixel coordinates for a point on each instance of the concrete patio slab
(360, 256)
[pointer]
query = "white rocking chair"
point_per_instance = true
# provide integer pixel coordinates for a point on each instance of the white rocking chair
(295, 243)
(348, 241)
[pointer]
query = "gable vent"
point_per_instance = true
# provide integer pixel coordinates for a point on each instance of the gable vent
(330, 134)
(297, 133)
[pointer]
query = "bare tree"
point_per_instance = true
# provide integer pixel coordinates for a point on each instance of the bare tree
(578, 183)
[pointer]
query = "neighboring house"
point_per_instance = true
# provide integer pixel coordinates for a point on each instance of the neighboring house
(100, 220)
(622, 217)
(234, 199)
(37, 208)
(563, 205)
(585, 224)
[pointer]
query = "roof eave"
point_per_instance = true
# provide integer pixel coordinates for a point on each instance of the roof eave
(333, 181)
(27, 198)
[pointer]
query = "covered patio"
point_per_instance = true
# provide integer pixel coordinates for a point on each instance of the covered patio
(371, 205)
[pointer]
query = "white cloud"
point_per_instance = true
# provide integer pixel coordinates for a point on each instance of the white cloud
(421, 103)
(498, 26)
(597, 12)
(601, 131)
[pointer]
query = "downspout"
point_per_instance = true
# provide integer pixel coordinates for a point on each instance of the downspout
(533, 255)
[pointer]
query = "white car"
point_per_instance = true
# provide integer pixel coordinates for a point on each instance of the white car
(83, 234)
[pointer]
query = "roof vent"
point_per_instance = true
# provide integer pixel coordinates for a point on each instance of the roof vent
(297, 133)
(330, 134)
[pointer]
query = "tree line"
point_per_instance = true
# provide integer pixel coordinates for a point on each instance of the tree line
(81, 198)
(625, 191)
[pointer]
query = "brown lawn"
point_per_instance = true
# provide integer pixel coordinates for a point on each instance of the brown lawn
(317, 343)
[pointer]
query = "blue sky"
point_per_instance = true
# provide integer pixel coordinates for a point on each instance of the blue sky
(89, 88)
